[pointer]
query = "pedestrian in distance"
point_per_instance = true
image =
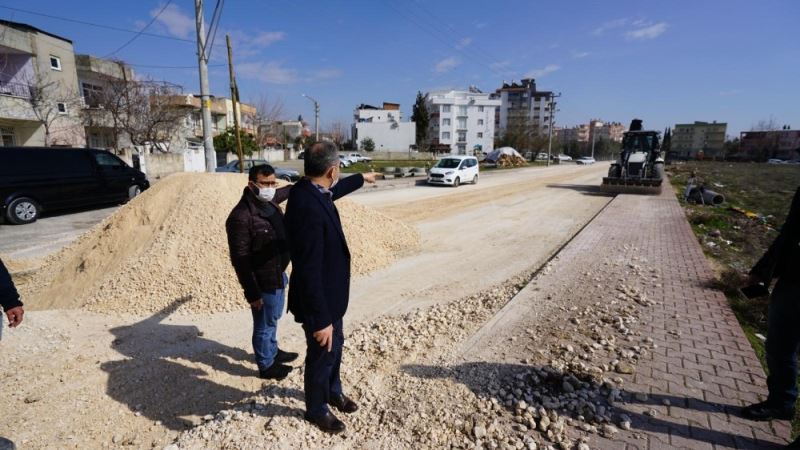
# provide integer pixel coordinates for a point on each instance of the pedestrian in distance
(259, 252)
(781, 262)
(320, 284)
(9, 300)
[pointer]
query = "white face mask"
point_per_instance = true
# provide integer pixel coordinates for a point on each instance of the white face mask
(336, 180)
(266, 194)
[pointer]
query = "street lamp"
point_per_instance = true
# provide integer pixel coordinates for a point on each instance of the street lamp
(316, 117)
(594, 125)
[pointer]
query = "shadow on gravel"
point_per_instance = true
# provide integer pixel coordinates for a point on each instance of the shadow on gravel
(585, 189)
(545, 385)
(153, 379)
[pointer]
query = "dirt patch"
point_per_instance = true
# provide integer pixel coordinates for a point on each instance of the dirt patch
(170, 243)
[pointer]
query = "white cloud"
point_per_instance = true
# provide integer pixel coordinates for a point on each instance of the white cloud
(610, 25)
(268, 72)
(175, 21)
(546, 70)
(579, 55)
(324, 74)
(447, 65)
(647, 32)
(463, 43)
(250, 43)
(266, 38)
(480, 25)
(500, 65)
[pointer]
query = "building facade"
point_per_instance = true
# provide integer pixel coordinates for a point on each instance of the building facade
(39, 98)
(689, 140)
(95, 77)
(384, 126)
(596, 130)
(190, 134)
(762, 145)
(463, 121)
(522, 104)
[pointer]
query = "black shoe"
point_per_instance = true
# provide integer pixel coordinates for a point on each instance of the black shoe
(795, 444)
(276, 371)
(285, 357)
(343, 404)
(765, 411)
(328, 423)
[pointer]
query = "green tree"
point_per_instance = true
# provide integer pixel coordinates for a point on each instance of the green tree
(422, 118)
(226, 142)
(368, 145)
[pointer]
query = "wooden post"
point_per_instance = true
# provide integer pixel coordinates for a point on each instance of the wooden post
(235, 100)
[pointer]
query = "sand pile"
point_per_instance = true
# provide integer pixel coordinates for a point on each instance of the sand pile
(169, 243)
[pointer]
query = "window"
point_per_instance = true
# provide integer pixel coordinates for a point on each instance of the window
(445, 122)
(7, 137)
(462, 123)
(62, 108)
(92, 94)
(462, 136)
(446, 136)
(462, 110)
(480, 135)
(445, 108)
(55, 62)
(107, 160)
(480, 122)
(480, 108)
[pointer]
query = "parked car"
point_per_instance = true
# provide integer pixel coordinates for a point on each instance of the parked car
(562, 158)
(283, 174)
(346, 161)
(359, 158)
(585, 160)
(453, 170)
(541, 156)
(775, 161)
(38, 179)
(301, 155)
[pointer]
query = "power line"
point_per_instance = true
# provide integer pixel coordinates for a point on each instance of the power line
(215, 19)
(136, 36)
(150, 66)
(97, 25)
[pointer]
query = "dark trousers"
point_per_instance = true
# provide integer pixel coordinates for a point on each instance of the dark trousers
(783, 342)
(265, 326)
(322, 378)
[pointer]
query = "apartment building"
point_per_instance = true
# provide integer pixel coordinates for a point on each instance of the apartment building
(522, 104)
(39, 96)
(691, 138)
(96, 77)
(247, 116)
(760, 145)
(190, 134)
(463, 121)
(385, 126)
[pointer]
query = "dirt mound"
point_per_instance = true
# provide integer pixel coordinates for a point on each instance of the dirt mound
(170, 243)
(18, 265)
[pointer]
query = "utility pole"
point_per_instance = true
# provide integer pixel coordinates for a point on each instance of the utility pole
(316, 117)
(550, 127)
(235, 100)
(592, 128)
(205, 95)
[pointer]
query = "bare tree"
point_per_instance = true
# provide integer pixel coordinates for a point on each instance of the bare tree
(150, 113)
(50, 103)
(268, 110)
(766, 125)
(339, 132)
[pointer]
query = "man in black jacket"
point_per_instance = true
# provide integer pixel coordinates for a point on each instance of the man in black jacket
(259, 253)
(781, 261)
(320, 284)
(9, 299)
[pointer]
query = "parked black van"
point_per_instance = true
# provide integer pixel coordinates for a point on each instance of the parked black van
(37, 179)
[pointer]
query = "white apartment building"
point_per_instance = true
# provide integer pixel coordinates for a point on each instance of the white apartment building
(521, 103)
(464, 121)
(384, 126)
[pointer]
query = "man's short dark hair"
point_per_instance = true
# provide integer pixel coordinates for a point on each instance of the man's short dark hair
(319, 158)
(261, 169)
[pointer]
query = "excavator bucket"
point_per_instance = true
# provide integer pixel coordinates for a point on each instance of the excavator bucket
(631, 186)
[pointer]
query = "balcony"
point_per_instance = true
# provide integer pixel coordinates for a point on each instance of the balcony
(13, 89)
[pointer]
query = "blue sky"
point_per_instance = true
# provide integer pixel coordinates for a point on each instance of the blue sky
(666, 62)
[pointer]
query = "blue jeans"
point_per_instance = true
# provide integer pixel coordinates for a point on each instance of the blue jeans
(322, 375)
(783, 342)
(265, 326)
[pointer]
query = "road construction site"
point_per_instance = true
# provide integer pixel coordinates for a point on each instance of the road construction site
(507, 314)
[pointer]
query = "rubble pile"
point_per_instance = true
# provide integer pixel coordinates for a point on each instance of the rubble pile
(511, 161)
(414, 394)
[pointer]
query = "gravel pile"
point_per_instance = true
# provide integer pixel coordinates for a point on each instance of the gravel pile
(170, 243)
(414, 395)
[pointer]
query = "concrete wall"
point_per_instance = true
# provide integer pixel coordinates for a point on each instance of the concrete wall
(267, 155)
(379, 156)
(388, 136)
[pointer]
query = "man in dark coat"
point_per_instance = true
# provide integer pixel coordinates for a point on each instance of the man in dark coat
(320, 284)
(9, 299)
(781, 261)
(259, 252)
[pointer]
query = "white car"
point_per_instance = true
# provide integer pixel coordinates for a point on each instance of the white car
(584, 160)
(562, 157)
(345, 161)
(452, 170)
(358, 157)
(775, 161)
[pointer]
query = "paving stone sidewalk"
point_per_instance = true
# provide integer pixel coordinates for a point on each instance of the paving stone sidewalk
(704, 368)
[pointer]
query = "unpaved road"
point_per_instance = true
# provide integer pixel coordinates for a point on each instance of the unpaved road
(74, 379)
